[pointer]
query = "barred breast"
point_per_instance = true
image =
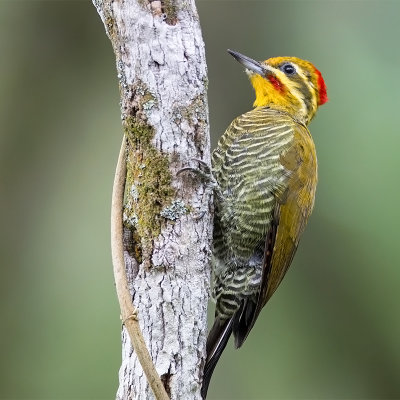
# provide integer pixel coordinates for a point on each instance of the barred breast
(247, 166)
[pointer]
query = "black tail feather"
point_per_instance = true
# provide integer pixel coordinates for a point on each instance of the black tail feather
(243, 322)
(240, 324)
(216, 343)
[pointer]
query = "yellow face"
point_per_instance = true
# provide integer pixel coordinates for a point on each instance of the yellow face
(289, 83)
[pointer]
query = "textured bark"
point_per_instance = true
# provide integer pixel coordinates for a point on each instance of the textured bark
(163, 80)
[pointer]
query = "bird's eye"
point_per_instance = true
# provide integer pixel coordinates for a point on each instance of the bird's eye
(288, 69)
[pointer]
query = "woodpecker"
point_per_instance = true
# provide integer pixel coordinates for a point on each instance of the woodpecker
(265, 173)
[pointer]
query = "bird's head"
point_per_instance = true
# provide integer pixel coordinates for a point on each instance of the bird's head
(287, 83)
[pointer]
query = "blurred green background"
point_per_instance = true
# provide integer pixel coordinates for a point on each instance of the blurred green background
(332, 331)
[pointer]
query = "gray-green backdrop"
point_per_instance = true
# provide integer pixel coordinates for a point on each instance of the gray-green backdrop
(330, 332)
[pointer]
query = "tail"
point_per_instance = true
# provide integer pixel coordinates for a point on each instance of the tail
(240, 324)
(216, 343)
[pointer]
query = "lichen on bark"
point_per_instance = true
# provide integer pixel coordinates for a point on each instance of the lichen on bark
(148, 185)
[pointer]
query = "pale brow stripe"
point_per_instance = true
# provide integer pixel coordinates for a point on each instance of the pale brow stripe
(311, 89)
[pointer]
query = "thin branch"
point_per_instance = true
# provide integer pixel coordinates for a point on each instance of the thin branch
(128, 311)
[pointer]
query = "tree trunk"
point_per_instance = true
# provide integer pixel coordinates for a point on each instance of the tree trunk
(163, 81)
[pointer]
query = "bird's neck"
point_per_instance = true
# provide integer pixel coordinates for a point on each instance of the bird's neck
(280, 98)
(300, 118)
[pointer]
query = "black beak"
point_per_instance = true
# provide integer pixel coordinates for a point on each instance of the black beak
(249, 63)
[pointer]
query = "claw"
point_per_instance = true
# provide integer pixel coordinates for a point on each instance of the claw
(204, 174)
(203, 164)
(207, 177)
(199, 215)
(184, 170)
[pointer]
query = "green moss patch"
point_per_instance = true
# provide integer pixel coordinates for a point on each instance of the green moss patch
(148, 185)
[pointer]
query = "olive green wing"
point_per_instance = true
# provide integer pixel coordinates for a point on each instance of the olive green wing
(292, 210)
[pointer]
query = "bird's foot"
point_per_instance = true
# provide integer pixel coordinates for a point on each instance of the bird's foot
(203, 171)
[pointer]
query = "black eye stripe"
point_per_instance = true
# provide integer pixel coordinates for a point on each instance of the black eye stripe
(288, 69)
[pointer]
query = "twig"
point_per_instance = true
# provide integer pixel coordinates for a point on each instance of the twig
(128, 311)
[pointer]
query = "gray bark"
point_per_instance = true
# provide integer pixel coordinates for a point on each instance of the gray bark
(163, 81)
